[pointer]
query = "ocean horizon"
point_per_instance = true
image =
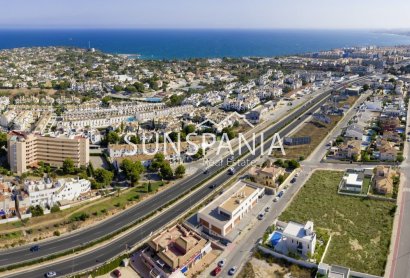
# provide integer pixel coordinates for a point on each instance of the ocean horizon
(199, 43)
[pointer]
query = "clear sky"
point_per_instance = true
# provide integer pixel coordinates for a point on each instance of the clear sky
(248, 14)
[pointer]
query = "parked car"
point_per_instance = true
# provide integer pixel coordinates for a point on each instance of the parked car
(275, 199)
(216, 271)
(260, 216)
(51, 274)
(231, 171)
(267, 209)
(116, 273)
(221, 263)
(232, 270)
(280, 194)
(34, 248)
(293, 180)
(212, 186)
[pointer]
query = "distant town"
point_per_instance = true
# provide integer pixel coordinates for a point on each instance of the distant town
(100, 174)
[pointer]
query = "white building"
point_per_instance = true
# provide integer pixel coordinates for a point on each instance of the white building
(226, 211)
(353, 182)
(46, 193)
(298, 239)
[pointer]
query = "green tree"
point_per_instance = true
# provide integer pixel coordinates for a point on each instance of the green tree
(131, 89)
(132, 170)
(189, 128)
(293, 164)
(68, 166)
(54, 209)
(281, 179)
(135, 139)
(3, 139)
(180, 171)
(103, 176)
(157, 161)
(118, 88)
(90, 170)
(149, 187)
(106, 101)
(139, 86)
(199, 153)
(229, 132)
(113, 137)
(166, 171)
(36, 211)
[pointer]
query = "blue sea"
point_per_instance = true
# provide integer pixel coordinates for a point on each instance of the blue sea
(182, 44)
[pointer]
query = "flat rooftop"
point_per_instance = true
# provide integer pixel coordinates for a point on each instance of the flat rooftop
(169, 236)
(234, 201)
(228, 200)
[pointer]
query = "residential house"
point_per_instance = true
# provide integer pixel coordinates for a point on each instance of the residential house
(387, 150)
(349, 150)
(297, 239)
(354, 131)
(391, 136)
(383, 179)
(389, 123)
(173, 252)
(267, 175)
(352, 181)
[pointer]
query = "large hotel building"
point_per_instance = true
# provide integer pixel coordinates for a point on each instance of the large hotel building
(26, 150)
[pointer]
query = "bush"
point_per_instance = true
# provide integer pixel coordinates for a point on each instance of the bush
(54, 209)
(36, 211)
(57, 233)
(79, 216)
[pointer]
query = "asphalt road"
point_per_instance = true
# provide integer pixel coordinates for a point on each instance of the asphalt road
(110, 250)
(401, 251)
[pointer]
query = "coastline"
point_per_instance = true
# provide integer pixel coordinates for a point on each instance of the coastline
(206, 44)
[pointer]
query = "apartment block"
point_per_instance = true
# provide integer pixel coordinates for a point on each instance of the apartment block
(26, 150)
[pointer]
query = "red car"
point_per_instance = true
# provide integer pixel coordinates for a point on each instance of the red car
(117, 273)
(216, 271)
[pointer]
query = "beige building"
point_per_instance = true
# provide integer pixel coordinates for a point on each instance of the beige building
(266, 176)
(26, 150)
(225, 212)
(174, 252)
(384, 179)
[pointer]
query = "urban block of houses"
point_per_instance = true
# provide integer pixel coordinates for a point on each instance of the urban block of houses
(173, 252)
(45, 193)
(12, 203)
(222, 215)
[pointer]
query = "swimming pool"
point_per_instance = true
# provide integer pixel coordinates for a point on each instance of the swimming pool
(275, 238)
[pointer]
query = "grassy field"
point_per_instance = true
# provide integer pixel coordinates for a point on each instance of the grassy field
(360, 228)
(97, 209)
(316, 131)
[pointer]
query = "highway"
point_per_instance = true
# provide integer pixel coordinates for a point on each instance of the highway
(112, 249)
